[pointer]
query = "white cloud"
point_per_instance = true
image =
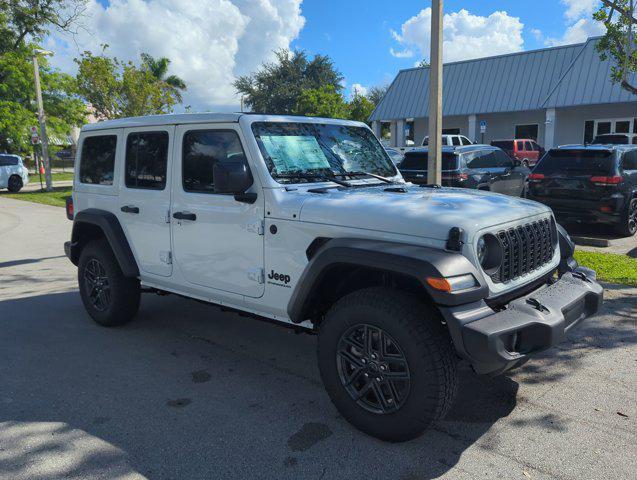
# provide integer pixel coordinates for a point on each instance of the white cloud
(358, 89)
(465, 36)
(209, 42)
(579, 32)
(537, 33)
(576, 9)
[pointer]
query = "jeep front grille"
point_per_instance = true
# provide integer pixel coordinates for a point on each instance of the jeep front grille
(525, 248)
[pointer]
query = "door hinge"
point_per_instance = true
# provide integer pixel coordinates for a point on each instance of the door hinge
(257, 275)
(257, 227)
(166, 257)
(167, 217)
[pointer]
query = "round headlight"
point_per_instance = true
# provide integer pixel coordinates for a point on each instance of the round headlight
(489, 252)
(482, 250)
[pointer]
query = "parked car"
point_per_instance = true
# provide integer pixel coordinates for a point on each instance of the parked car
(482, 167)
(589, 184)
(615, 139)
(13, 174)
(307, 222)
(450, 140)
(395, 155)
(525, 150)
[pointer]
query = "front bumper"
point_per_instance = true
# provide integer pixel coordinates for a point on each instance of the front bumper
(494, 342)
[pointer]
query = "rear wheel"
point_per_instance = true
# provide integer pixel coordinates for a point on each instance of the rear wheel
(387, 363)
(15, 184)
(109, 297)
(628, 225)
(526, 162)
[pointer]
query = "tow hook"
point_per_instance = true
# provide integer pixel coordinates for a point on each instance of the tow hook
(535, 303)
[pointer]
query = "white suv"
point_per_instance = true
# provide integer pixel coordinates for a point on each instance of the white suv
(307, 222)
(13, 174)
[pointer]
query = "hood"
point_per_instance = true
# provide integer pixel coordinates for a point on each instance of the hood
(423, 212)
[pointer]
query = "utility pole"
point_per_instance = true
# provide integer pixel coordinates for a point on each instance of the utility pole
(42, 119)
(434, 171)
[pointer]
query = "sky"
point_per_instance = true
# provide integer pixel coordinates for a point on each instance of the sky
(211, 42)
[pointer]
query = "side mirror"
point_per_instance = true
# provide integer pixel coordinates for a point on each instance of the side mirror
(516, 162)
(234, 178)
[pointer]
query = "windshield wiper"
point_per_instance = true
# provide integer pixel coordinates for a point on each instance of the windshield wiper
(315, 176)
(363, 174)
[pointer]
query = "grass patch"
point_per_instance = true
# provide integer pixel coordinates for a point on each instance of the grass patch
(56, 176)
(55, 198)
(610, 267)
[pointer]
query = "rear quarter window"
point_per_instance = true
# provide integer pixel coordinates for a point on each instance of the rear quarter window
(420, 161)
(8, 161)
(97, 160)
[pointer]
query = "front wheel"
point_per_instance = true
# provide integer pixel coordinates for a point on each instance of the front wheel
(387, 363)
(15, 184)
(628, 225)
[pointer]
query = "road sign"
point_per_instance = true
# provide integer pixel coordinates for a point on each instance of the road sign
(35, 140)
(34, 131)
(483, 126)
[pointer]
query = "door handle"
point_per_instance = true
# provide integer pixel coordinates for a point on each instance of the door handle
(129, 209)
(185, 216)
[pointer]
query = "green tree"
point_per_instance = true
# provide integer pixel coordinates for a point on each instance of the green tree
(324, 101)
(159, 68)
(63, 107)
(114, 88)
(360, 108)
(277, 87)
(376, 94)
(620, 40)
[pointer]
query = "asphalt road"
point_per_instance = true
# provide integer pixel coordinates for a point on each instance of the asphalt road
(188, 392)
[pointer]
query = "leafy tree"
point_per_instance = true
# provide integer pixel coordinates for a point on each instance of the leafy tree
(360, 108)
(18, 110)
(159, 68)
(277, 87)
(114, 88)
(23, 19)
(322, 102)
(620, 40)
(376, 94)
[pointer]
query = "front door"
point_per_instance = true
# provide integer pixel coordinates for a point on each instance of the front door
(217, 240)
(144, 198)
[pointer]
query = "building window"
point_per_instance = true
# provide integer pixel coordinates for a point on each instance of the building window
(634, 125)
(527, 131)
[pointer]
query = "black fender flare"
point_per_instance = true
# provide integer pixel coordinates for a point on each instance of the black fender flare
(415, 261)
(108, 223)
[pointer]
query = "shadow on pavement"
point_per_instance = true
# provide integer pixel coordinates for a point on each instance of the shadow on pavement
(185, 391)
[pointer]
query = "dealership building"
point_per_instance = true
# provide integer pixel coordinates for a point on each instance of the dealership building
(556, 96)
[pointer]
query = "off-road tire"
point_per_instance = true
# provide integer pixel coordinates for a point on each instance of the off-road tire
(15, 184)
(417, 329)
(628, 225)
(124, 293)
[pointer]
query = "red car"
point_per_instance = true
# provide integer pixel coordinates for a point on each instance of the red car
(524, 149)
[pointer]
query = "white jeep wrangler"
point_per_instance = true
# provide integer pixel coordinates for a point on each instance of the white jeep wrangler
(307, 222)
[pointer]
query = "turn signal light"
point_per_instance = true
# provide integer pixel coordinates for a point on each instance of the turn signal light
(452, 284)
(606, 180)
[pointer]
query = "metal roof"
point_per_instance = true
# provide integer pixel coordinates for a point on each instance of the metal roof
(569, 75)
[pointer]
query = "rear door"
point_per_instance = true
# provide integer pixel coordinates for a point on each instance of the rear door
(513, 178)
(217, 241)
(144, 198)
(485, 166)
(629, 166)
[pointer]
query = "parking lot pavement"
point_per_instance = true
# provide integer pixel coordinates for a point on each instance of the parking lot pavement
(188, 392)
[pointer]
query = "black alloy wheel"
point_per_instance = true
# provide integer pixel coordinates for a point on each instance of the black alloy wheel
(373, 369)
(97, 285)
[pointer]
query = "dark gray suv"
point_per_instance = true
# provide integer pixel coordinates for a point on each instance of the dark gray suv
(481, 167)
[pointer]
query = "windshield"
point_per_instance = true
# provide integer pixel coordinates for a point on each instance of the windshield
(419, 161)
(583, 162)
(297, 151)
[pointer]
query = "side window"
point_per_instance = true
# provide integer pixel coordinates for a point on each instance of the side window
(535, 146)
(455, 141)
(97, 161)
(202, 149)
(146, 160)
(482, 159)
(629, 161)
(528, 147)
(503, 159)
(466, 141)
(7, 161)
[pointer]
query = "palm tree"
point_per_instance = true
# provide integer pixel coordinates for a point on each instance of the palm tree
(158, 67)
